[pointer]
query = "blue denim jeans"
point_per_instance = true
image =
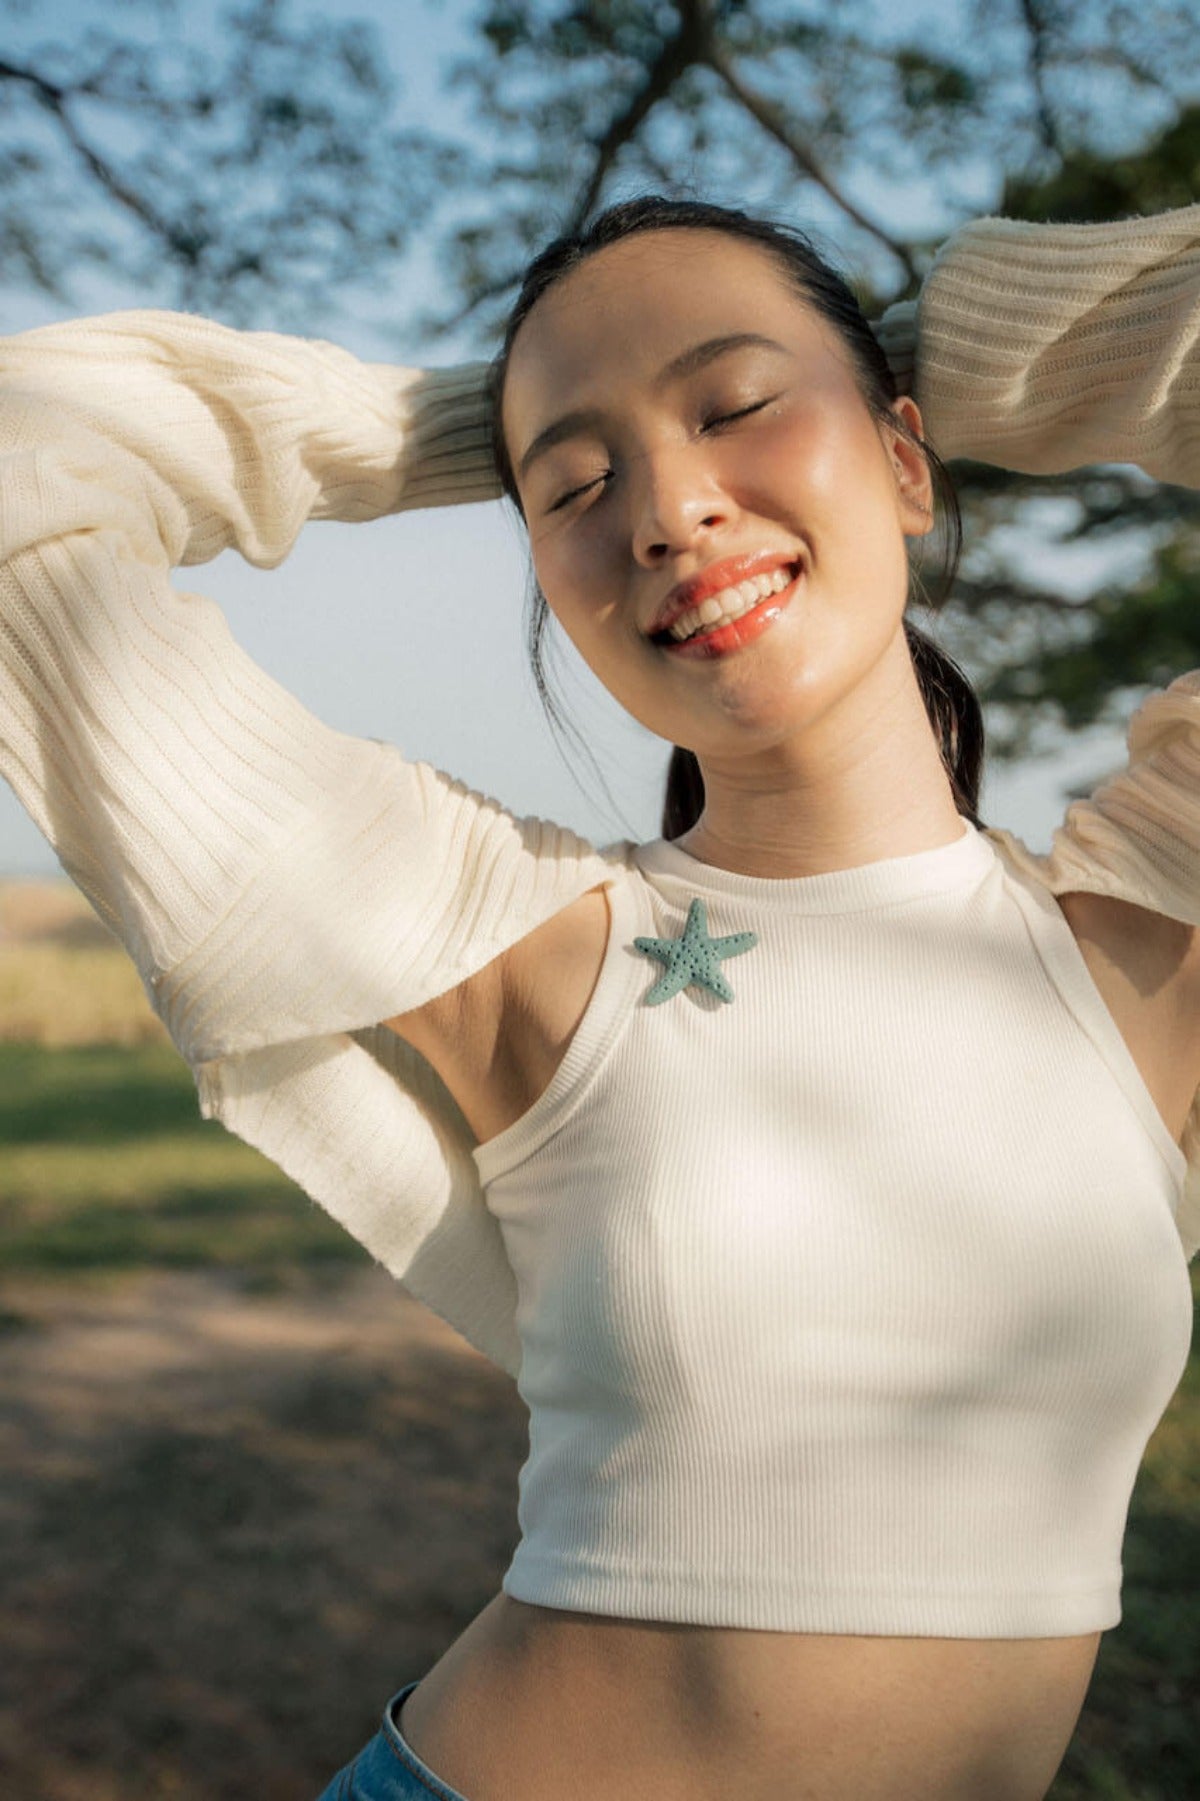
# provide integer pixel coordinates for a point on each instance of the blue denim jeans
(387, 1768)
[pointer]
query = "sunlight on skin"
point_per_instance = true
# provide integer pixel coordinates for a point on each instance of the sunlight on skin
(813, 741)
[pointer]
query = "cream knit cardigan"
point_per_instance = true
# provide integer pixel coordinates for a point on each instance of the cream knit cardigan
(283, 887)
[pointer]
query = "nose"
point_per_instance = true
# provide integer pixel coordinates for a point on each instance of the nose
(674, 498)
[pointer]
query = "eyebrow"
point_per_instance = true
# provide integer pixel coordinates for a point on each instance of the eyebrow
(697, 356)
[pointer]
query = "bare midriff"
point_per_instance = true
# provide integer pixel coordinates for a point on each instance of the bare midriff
(538, 1704)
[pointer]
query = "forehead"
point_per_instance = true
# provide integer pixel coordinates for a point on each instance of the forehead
(629, 307)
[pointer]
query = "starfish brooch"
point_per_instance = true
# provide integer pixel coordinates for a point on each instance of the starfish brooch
(693, 958)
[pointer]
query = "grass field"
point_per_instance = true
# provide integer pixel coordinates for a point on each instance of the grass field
(107, 1171)
(108, 1165)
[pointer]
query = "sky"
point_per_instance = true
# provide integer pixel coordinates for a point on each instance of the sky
(411, 629)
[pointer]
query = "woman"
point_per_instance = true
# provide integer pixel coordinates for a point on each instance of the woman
(824, 1169)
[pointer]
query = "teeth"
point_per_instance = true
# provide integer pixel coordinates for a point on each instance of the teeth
(729, 604)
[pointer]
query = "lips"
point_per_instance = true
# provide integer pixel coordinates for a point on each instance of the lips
(720, 641)
(725, 574)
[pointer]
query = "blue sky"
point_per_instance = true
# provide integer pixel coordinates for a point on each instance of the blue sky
(411, 629)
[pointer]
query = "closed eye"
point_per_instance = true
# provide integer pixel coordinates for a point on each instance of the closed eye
(727, 418)
(564, 499)
(719, 418)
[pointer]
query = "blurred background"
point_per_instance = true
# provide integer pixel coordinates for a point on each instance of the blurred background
(250, 1487)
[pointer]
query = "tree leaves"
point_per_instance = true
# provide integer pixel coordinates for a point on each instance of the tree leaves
(926, 80)
(261, 170)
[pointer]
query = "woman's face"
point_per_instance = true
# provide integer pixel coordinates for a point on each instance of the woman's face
(660, 487)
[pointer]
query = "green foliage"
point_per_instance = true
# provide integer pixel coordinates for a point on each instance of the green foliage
(1086, 185)
(1142, 634)
(932, 81)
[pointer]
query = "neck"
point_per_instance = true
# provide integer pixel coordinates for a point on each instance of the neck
(832, 799)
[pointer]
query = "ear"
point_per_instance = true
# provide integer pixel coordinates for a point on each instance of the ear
(914, 479)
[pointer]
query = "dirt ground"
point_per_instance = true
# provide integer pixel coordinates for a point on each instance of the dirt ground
(232, 1525)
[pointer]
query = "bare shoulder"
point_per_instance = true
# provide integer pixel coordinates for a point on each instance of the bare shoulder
(1146, 967)
(1153, 950)
(497, 1038)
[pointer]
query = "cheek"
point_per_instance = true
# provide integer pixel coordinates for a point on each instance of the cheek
(586, 618)
(831, 474)
(573, 568)
(613, 660)
(621, 660)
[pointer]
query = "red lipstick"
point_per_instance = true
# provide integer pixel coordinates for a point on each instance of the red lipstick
(722, 639)
(725, 574)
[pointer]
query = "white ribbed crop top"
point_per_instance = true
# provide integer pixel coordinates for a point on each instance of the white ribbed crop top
(820, 1340)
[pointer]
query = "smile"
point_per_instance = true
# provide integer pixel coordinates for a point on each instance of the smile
(726, 633)
(729, 603)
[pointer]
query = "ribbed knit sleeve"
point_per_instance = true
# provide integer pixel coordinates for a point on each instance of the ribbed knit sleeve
(281, 886)
(165, 767)
(1044, 348)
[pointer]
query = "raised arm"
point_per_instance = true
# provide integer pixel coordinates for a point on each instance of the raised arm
(271, 878)
(198, 436)
(1045, 348)
(159, 761)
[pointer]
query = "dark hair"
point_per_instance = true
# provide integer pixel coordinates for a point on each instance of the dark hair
(950, 701)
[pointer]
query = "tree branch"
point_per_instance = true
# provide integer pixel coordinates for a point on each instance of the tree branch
(55, 99)
(672, 60)
(499, 285)
(1036, 27)
(14, 72)
(772, 120)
